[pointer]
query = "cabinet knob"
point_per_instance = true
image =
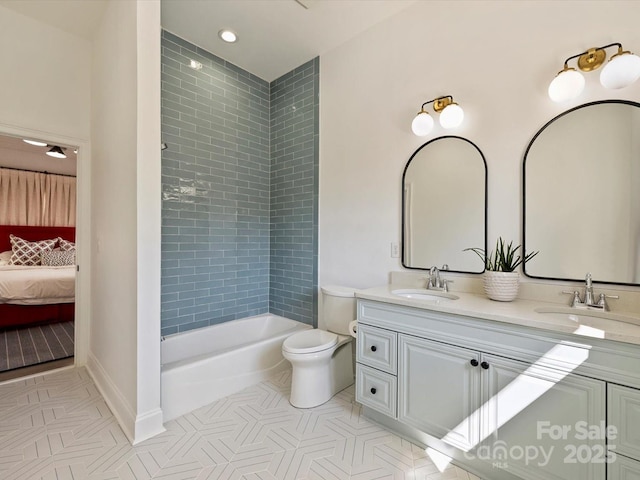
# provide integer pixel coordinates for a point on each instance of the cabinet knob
(474, 362)
(373, 391)
(373, 348)
(485, 365)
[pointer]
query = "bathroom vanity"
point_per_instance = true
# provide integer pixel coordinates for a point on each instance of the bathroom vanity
(508, 390)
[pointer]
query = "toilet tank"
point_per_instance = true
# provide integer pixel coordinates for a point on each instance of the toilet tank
(338, 308)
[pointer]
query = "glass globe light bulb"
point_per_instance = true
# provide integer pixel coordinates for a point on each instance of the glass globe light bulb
(621, 71)
(422, 124)
(568, 84)
(452, 116)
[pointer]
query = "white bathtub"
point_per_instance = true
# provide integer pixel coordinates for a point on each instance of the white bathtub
(203, 365)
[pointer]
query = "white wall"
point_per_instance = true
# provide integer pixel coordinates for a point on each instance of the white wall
(125, 331)
(496, 58)
(45, 77)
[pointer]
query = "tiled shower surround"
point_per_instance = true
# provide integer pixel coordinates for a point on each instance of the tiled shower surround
(239, 181)
(294, 193)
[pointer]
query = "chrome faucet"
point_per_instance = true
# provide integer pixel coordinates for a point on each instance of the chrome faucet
(434, 282)
(589, 302)
(434, 278)
(588, 290)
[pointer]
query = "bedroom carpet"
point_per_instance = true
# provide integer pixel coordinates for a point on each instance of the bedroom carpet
(32, 345)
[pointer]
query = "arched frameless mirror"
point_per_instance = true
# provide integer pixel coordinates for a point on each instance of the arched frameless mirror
(581, 187)
(444, 187)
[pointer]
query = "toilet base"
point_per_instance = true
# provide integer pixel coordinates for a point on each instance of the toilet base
(317, 377)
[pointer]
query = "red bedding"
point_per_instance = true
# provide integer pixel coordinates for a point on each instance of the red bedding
(22, 315)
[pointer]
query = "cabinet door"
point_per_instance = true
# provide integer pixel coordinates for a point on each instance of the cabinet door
(439, 390)
(546, 424)
(624, 416)
(624, 468)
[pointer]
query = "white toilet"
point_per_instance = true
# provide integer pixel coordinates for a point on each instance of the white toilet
(322, 360)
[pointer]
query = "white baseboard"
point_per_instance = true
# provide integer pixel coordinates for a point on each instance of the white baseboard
(137, 428)
(112, 395)
(148, 425)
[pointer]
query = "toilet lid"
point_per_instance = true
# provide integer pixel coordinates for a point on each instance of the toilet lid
(310, 341)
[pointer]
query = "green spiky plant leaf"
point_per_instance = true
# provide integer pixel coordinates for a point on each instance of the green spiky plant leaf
(505, 258)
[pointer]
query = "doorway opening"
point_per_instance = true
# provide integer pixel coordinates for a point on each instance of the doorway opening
(38, 265)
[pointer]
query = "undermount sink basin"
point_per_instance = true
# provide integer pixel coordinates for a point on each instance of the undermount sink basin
(576, 313)
(424, 294)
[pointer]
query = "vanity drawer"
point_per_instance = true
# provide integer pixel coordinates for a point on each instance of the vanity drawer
(376, 389)
(624, 413)
(377, 348)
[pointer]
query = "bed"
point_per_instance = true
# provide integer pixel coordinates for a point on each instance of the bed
(22, 310)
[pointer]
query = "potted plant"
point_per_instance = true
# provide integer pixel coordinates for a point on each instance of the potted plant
(501, 281)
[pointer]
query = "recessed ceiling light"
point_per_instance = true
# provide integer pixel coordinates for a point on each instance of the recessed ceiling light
(37, 143)
(228, 36)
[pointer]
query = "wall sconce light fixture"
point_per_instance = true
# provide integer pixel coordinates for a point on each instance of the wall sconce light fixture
(451, 115)
(622, 69)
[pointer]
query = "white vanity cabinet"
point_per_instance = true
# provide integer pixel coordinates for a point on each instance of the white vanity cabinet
(506, 401)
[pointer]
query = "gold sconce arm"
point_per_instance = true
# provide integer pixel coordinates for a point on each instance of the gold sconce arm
(439, 103)
(593, 58)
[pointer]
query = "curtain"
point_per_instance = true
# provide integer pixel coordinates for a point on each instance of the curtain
(37, 199)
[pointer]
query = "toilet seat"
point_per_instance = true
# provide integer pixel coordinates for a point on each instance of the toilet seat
(310, 341)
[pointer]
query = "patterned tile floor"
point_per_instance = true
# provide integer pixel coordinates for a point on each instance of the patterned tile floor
(58, 427)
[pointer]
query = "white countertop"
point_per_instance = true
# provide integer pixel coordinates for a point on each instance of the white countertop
(519, 312)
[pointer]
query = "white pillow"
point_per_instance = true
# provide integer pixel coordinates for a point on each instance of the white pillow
(5, 257)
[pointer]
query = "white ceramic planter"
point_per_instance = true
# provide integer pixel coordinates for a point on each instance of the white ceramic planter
(501, 286)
